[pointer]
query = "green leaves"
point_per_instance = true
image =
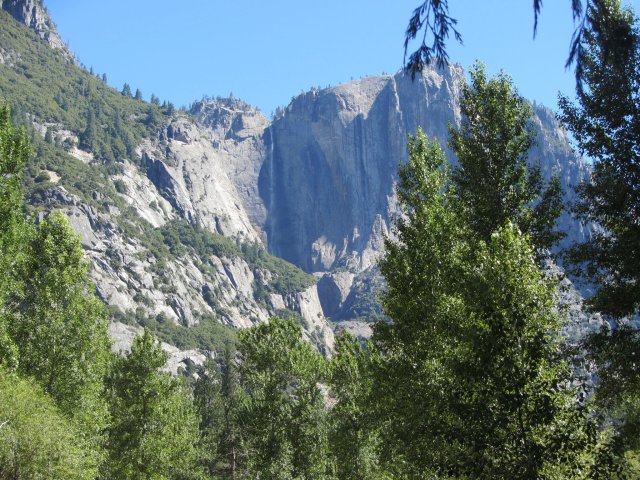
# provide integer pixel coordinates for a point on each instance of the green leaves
(154, 429)
(605, 123)
(36, 440)
(492, 181)
(354, 427)
(14, 153)
(284, 421)
(469, 383)
(52, 327)
(59, 326)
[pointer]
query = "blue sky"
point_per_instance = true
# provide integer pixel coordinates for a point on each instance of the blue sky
(267, 52)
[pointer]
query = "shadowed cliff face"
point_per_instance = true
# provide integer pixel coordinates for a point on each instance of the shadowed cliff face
(329, 176)
(328, 181)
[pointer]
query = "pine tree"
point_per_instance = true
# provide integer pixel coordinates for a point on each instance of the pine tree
(606, 125)
(89, 137)
(605, 122)
(126, 90)
(217, 395)
(138, 95)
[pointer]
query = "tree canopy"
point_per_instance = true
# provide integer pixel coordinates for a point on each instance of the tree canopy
(494, 180)
(471, 382)
(606, 125)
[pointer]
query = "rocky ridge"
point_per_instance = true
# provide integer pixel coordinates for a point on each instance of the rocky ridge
(35, 16)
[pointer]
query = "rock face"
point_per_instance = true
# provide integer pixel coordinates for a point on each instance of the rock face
(556, 157)
(33, 14)
(238, 134)
(316, 187)
(333, 290)
(328, 181)
(185, 289)
(208, 171)
(122, 337)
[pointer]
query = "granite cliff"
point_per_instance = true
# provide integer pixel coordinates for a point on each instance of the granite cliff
(329, 179)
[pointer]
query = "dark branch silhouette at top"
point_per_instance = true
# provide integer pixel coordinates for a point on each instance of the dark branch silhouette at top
(432, 20)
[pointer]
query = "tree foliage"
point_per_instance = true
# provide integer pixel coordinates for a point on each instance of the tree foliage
(14, 153)
(354, 431)
(283, 416)
(493, 182)
(431, 19)
(615, 353)
(471, 381)
(606, 125)
(59, 325)
(36, 440)
(218, 396)
(52, 329)
(154, 430)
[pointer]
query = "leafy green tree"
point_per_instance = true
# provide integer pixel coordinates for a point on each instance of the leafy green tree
(606, 125)
(154, 428)
(492, 180)
(353, 436)
(36, 440)
(138, 95)
(52, 327)
(59, 326)
(471, 383)
(618, 391)
(283, 416)
(14, 153)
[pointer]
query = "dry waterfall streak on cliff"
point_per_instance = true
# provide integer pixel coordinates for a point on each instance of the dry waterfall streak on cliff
(271, 211)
